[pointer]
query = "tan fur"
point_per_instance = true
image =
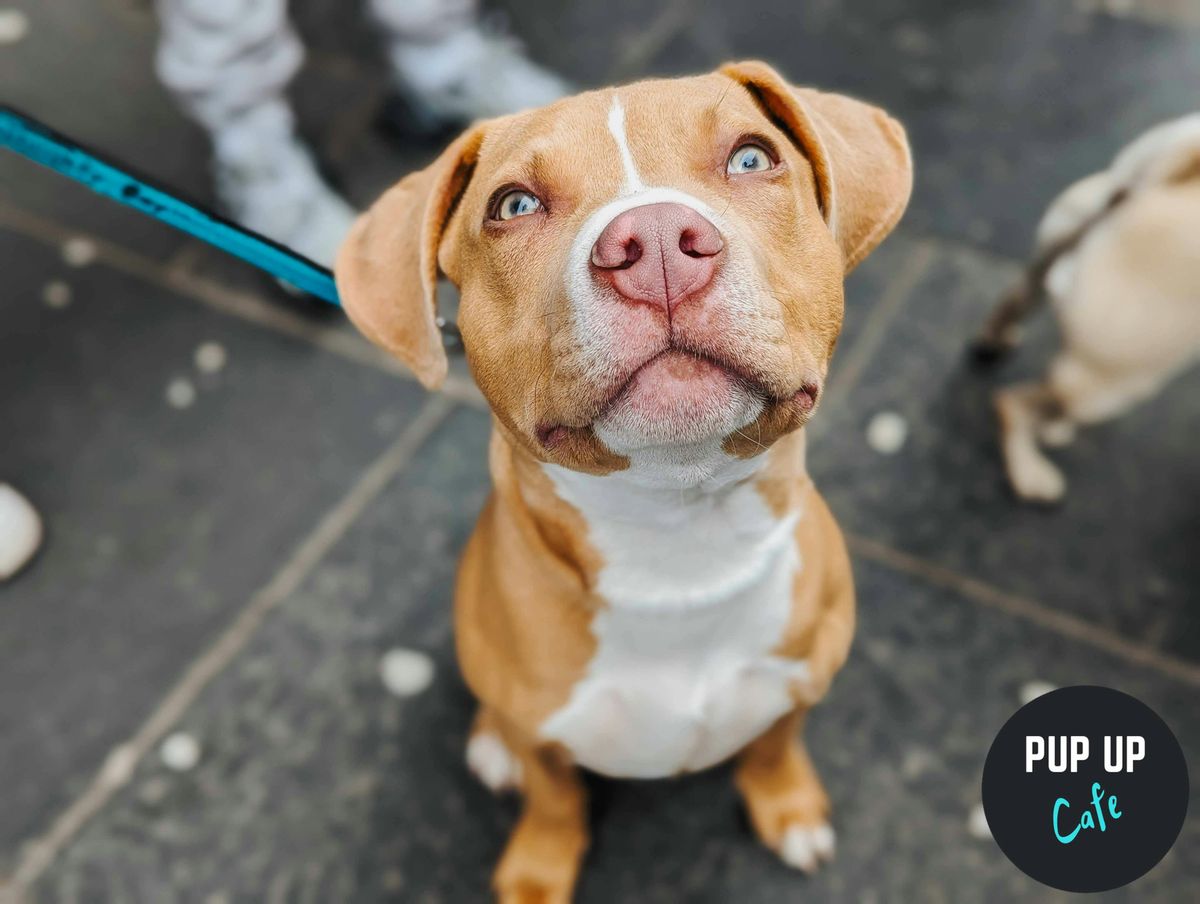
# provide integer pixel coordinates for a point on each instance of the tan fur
(822, 622)
(524, 596)
(863, 192)
(778, 783)
(526, 593)
(387, 267)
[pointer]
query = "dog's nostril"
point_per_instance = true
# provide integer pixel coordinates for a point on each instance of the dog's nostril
(697, 245)
(633, 253)
(618, 255)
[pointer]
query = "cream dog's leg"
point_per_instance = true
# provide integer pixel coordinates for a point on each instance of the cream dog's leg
(1025, 412)
(1077, 392)
(1128, 309)
(544, 852)
(787, 804)
(1089, 392)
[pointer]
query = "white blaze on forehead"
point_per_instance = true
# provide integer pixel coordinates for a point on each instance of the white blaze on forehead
(616, 125)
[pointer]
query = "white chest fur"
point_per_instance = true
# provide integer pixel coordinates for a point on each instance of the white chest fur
(697, 587)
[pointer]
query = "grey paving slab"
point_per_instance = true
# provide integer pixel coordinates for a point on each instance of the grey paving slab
(317, 785)
(593, 43)
(1120, 551)
(161, 521)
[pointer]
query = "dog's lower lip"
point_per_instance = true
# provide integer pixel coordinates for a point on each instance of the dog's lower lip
(734, 373)
(551, 435)
(805, 398)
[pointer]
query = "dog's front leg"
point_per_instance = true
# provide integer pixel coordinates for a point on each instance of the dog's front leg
(541, 862)
(1024, 411)
(787, 804)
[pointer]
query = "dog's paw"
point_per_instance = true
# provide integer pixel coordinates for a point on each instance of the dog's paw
(806, 847)
(493, 763)
(789, 812)
(540, 864)
(1036, 479)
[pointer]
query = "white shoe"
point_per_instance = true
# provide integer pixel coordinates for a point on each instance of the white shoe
(473, 74)
(267, 181)
(20, 531)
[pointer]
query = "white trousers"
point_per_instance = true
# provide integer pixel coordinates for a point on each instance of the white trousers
(223, 59)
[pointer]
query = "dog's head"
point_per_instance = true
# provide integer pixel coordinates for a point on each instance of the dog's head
(649, 270)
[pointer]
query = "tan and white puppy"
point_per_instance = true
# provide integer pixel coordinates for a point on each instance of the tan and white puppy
(1118, 255)
(651, 282)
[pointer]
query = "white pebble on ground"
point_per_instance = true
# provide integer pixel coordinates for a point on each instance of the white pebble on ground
(977, 824)
(916, 763)
(887, 432)
(14, 25)
(78, 252)
(912, 38)
(181, 393)
(405, 672)
(56, 294)
(179, 752)
(20, 531)
(210, 357)
(1031, 690)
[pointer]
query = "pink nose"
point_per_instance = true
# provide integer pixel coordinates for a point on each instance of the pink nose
(658, 253)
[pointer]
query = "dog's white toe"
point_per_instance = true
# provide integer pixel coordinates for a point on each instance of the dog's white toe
(492, 762)
(824, 841)
(806, 847)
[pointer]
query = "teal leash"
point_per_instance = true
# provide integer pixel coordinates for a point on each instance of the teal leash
(41, 144)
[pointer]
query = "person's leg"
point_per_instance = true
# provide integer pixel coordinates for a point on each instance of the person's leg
(20, 531)
(453, 70)
(228, 63)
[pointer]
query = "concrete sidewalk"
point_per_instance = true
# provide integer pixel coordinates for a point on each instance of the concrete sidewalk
(232, 559)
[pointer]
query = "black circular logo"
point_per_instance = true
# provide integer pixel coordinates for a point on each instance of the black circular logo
(1085, 789)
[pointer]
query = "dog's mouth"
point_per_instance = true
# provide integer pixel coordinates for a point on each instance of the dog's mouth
(681, 394)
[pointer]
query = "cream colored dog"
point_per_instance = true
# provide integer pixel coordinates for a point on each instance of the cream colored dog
(1118, 254)
(651, 283)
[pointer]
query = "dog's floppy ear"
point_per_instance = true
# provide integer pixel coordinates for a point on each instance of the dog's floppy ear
(387, 267)
(858, 153)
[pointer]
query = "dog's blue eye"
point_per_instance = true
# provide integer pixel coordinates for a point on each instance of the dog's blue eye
(517, 203)
(749, 158)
